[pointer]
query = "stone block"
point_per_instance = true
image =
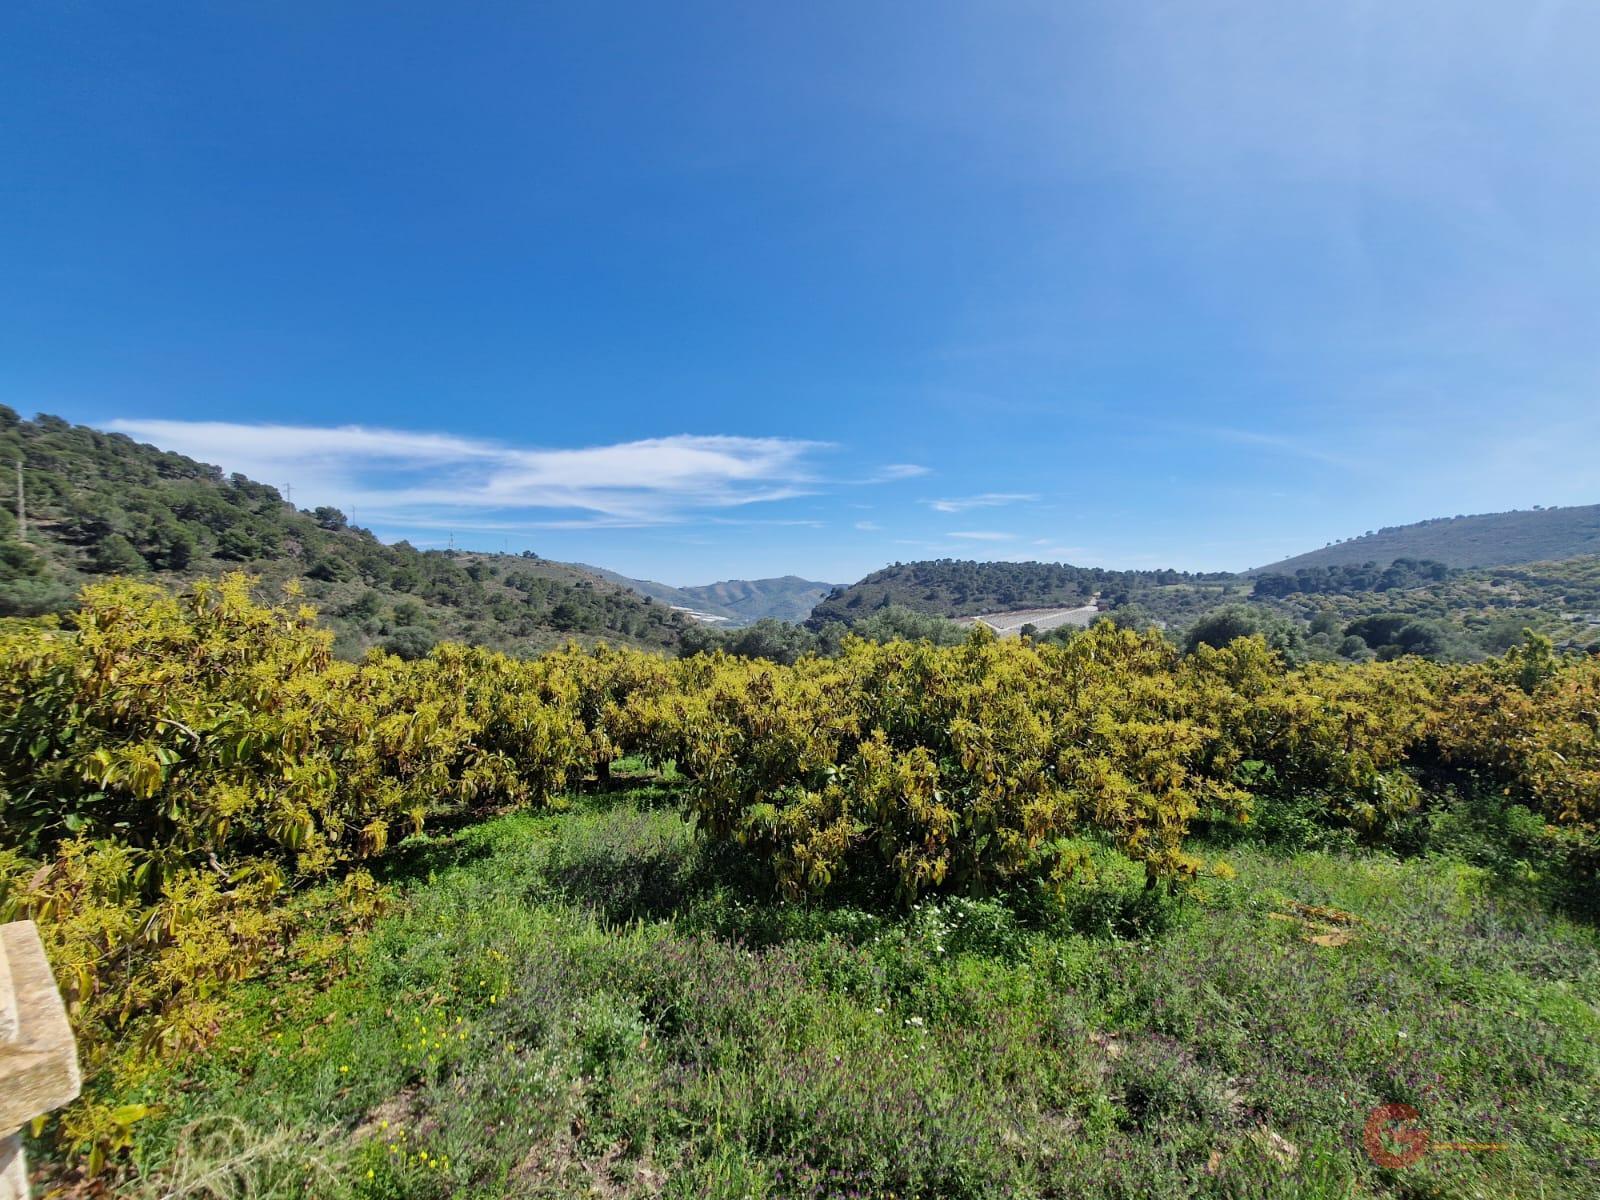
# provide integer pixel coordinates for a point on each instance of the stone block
(39, 1060)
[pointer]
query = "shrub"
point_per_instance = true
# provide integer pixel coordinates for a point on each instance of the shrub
(171, 764)
(409, 642)
(949, 767)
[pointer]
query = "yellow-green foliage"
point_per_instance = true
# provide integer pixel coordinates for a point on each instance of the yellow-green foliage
(961, 766)
(1346, 733)
(1530, 722)
(172, 765)
(612, 689)
(210, 724)
(969, 766)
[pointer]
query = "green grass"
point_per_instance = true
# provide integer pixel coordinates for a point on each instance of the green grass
(590, 1003)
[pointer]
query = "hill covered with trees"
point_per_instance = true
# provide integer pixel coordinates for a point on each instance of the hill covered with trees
(949, 587)
(98, 504)
(1336, 611)
(1484, 540)
(1440, 611)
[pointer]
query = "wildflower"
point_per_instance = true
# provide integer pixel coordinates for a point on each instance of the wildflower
(344, 1069)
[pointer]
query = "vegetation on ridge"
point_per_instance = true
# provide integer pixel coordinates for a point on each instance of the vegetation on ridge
(1349, 612)
(1538, 534)
(955, 588)
(99, 504)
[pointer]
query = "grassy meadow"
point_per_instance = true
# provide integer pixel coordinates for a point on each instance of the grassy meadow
(595, 1002)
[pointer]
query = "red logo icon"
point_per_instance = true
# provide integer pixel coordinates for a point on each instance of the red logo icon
(1392, 1136)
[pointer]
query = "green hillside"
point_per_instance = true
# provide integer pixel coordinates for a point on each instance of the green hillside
(659, 593)
(1446, 612)
(1485, 540)
(1409, 606)
(959, 588)
(99, 503)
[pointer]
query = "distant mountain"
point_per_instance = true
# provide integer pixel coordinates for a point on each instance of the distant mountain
(1406, 606)
(732, 602)
(957, 588)
(1486, 540)
(660, 593)
(100, 504)
(787, 598)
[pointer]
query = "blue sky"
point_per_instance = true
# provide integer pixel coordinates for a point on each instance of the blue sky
(697, 291)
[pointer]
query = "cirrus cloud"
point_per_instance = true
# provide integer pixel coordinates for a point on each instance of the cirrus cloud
(401, 478)
(959, 504)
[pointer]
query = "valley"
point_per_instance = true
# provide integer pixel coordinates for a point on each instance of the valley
(1042, 620)
(863, 601)
(497, 873)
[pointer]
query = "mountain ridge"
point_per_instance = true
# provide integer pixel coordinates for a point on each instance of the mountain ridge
(99, 504)
(1477, 540)
(961, 588)
(736, 602)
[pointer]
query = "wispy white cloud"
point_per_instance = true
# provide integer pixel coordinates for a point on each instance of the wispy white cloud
(227, 443)
(401, 478)
(462, 523)
(868, 526)
(1294, 447)
(959, 504)
(984, 535)
(896, 471)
